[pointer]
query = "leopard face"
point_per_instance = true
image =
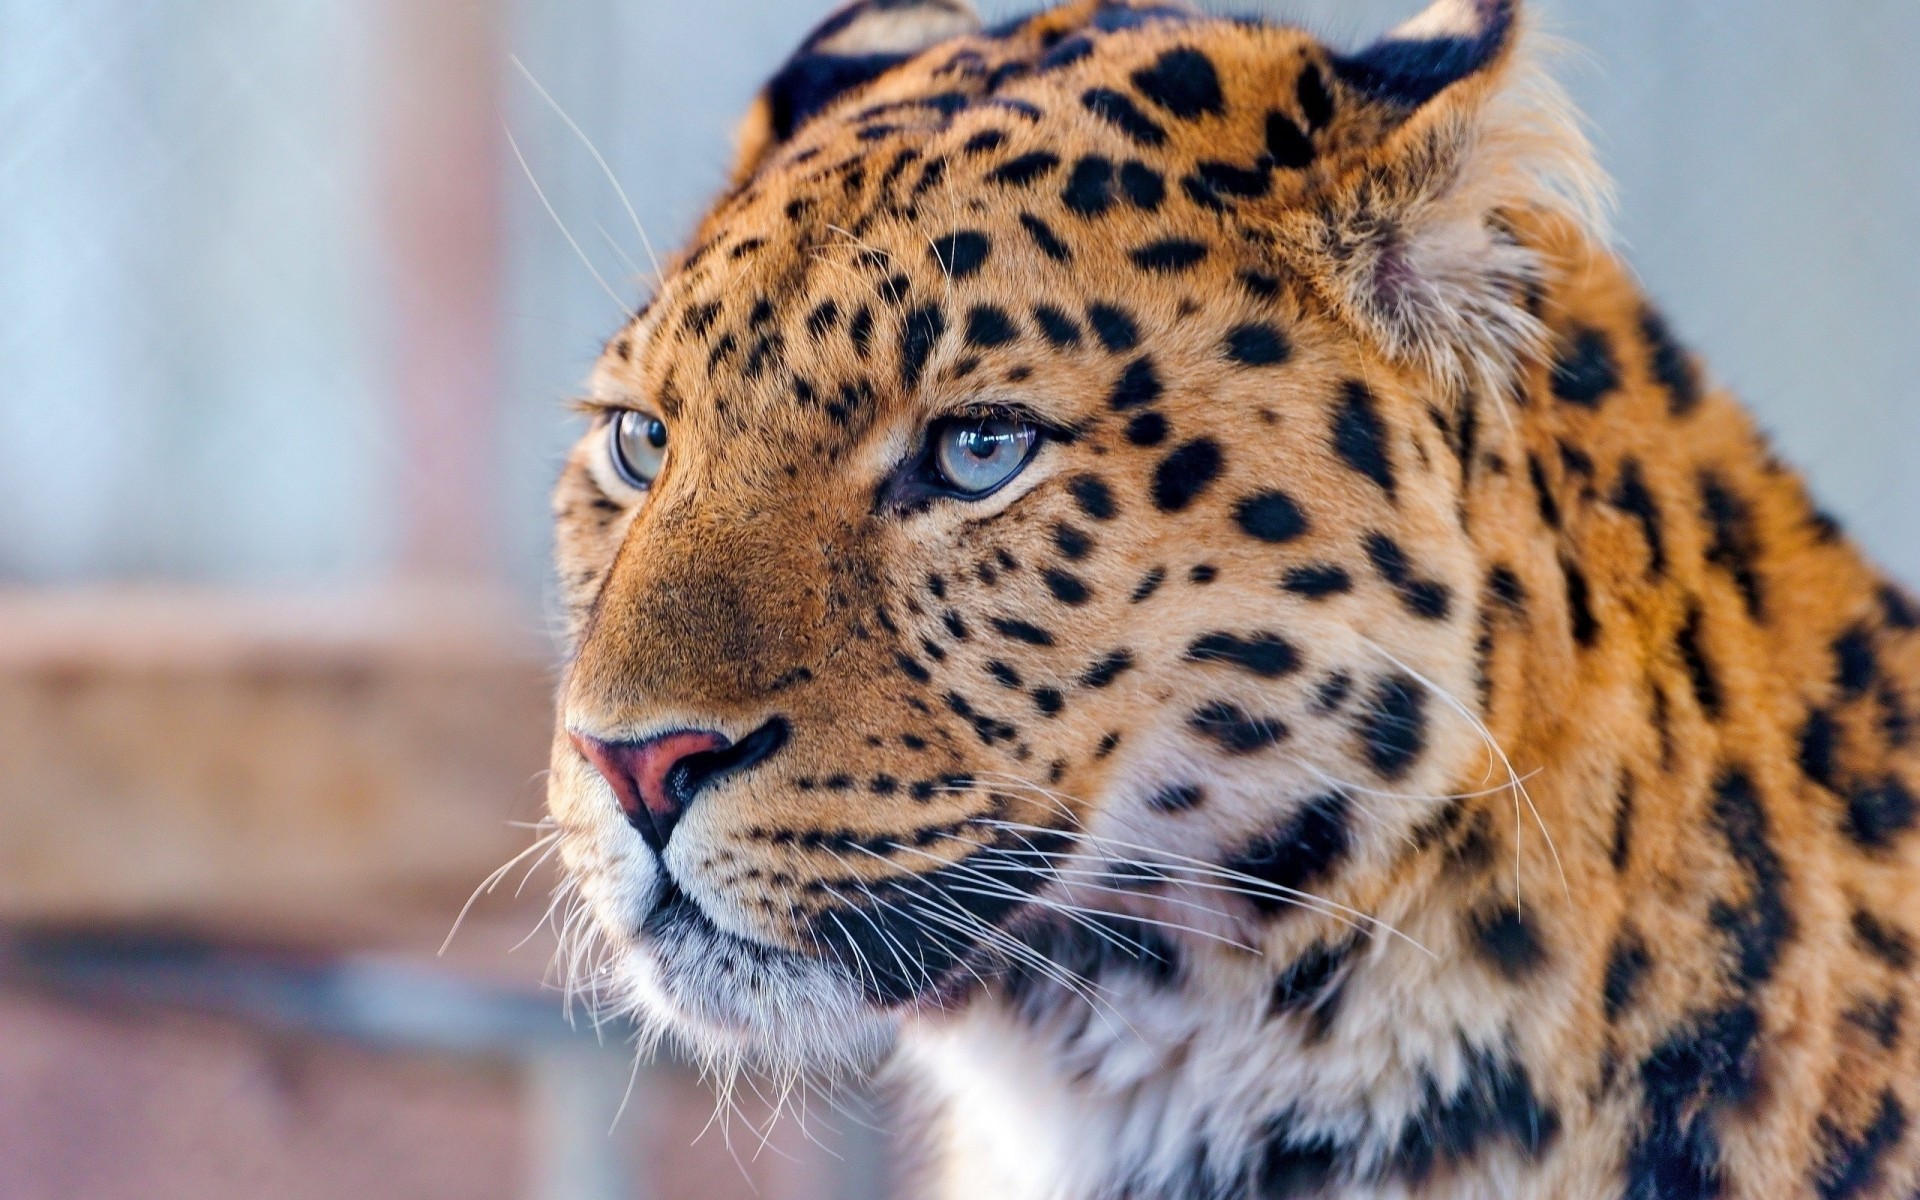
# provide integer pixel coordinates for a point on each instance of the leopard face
(1046, 467)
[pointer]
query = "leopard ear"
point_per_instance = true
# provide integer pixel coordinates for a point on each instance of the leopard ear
(1451, 42)
(1410, 233)
(860, 42)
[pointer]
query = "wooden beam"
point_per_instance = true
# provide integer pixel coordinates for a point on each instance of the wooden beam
(181, 755)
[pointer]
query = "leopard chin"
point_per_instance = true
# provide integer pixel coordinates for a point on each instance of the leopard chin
(732, 999)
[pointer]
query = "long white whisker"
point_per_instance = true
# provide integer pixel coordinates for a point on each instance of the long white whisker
(1513, 776)
(564, 231)
(605, 169)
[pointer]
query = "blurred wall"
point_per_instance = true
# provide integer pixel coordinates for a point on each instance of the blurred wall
(205, 345)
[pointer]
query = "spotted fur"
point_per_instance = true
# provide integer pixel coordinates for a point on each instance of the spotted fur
(1403, 735)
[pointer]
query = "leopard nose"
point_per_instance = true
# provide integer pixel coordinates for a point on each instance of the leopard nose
(656, 779)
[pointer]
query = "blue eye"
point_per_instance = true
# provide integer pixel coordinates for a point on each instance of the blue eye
(638, 445)
(976, 456)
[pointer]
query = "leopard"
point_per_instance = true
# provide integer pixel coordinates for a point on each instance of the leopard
(1159, 585)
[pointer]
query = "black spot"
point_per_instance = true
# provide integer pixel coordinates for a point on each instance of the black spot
(860, 330)
(1202, 574)
(1312, 984)
(1735, 545)
(1299, 854)
(1107, 744)
(1021, 171)
(1184, 83)
(1698, 1071)
(985, 140)
(1293, 1163)
(1623, 802)
(955, 625)
(1760, 926)
(700, 318)
(1819, 747)
(1113, 327)
(1505, 587)
(1542, 493)
(1089, 190)
(1508, 940)
(1706, 686)
(1267, 655)
(1147, 429)
(1585, 373)
(961, 254)
(1332, 692)
(1004, 675)
(1211, 181)
(1891, 945)
(1066, 588)
(1586, 628)
(1360, 437)
(1073, 543)
(1182, 797)
(1317, 580)
(1316, 103)
(1149, 584)
(1272, 517)
(1138, 385)
(1878, 813)
(1057, 326)
(1234, 730)
(1427, 598)
(1185, 473)
(1879, 1018)
(1093, 496)
(1144, 186)
(912, 669)
(1393, 728)
(1627, 964)
(1899, 611)
(1048, 700)
(822, 319)
(1852, 1162)
(1258, 285)
(1108, 669)
(988, 327)
(1120, 112)
(1068, 52)
(1287, 144)
(1021, 631)
(1630, 496)
(918, 336)
(1258, 345)
(1855, 662)
(1671, 366)
(1170, 257)
(1044, 238)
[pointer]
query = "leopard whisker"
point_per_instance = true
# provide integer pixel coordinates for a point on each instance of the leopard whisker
(1513, 777)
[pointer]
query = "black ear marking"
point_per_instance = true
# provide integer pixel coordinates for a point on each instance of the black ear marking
(857, 44)
(1450, 41)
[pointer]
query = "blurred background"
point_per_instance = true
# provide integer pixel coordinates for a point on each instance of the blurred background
(291, 298)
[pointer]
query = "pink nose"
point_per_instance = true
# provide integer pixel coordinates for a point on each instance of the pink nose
(653, 779)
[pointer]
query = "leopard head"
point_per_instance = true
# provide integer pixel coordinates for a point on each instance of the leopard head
(1041, 477)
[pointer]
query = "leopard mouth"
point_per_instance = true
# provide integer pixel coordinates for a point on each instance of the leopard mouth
(914, 943)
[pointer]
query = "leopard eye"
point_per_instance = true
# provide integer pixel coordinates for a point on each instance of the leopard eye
(638, 445)
(976, 456)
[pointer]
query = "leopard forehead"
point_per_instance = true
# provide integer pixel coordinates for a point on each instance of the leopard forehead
(1062, 185)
